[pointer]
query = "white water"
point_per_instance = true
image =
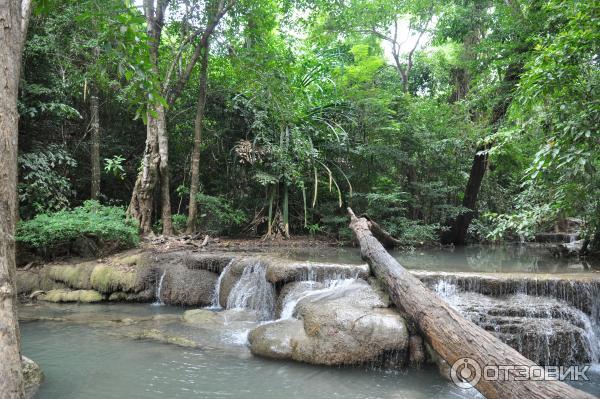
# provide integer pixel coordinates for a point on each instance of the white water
(159, 301)
(253, 292)
(313, 293)
(471, 305)
(216, 297)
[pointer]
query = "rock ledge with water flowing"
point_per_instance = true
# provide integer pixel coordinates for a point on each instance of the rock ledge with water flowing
(347, 325)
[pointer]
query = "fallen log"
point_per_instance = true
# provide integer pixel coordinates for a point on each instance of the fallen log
(385, 238)
(455, 338)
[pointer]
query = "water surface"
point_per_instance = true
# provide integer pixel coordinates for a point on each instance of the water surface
(90, 359)
(476, 258)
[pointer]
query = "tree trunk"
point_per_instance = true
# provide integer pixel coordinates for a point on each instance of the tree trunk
(14, 15)
(95, 141)
(286, 211)
(195, 180)
(142, 198)
(452, 336)
(457, 234)
(165, 185)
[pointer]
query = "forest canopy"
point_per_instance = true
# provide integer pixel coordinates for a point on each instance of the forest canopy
(447, 121)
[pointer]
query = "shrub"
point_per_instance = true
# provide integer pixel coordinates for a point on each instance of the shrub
(217, 215)
(46, 233)
(44, 185)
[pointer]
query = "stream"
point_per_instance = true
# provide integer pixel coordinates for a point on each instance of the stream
(146, 351)
(90, 357)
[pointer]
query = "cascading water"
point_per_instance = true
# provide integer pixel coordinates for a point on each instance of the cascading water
(216, 297)
(158, 301)
(253, 292)
(313, 291)
(546, 330)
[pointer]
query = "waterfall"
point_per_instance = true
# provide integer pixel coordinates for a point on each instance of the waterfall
(329, 287)
(253, 292)
(216, 297)
(548, 331)
(159, 301)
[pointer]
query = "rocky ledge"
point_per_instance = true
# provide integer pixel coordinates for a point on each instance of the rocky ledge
(344, 325)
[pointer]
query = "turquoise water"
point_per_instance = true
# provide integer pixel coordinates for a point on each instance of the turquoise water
(85, 356)
(476, 258)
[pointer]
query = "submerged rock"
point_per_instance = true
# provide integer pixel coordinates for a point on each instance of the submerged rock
(343, 326)
(210, 319)
(32, 376)
(63, 295)
(161, 336)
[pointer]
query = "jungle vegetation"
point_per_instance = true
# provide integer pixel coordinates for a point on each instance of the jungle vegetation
(445, 121)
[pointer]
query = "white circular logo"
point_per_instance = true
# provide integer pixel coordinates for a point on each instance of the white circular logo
(465, 373)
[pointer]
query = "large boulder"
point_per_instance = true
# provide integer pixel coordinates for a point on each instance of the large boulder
(32, 376)
(344, 325)
(183, 286)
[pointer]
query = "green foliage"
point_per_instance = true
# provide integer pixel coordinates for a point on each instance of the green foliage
(114, 166)
(179, 222)
(306, 107)
(217, 214)
(102, 223)
(43, 184)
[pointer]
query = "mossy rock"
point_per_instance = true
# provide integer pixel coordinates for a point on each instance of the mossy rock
(30, 281)
(86, 296)
(108, 279)
(75, 276)
(119, 296)
(32, 376)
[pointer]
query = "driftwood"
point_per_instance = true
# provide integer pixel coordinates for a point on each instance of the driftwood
(452, 336)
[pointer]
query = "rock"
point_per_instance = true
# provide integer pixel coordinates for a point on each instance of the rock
(567, 249)
(343, 326)
(294, 291)
(32, 376)
(208, 319)
(111, 278)
(35, 280)
(62, 295)
(280, 271)
(160, 336)
(545, 330)
(183, 286)
(278, 340)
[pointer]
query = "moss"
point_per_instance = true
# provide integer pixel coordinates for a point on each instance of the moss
(131, 260)
(118, 296)
(30, 281)
(108, 279)
(74, 276)
(62, 295)
(27, 282)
